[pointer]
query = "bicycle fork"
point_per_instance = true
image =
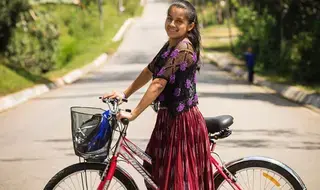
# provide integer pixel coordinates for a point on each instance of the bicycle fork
(111, 168)
(112, 165)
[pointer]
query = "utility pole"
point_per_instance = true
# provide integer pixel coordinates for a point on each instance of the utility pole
(223, 4)
(229, 24)
(100, 14)
(120, 6)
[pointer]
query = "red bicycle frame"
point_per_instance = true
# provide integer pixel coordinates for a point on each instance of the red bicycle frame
(128, 150)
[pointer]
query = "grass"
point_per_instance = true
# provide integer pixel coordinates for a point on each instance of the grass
(215, 38)
(78, 45)
(281, 79)
(17, 79)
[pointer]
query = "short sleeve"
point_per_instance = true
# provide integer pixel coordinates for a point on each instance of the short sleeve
(152, 65)
(179, 59)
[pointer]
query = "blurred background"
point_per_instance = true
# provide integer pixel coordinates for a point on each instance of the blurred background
(43, 40)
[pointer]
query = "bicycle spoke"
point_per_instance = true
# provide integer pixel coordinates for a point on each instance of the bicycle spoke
(248, 180)
(95, 181)
(244, 181)
(72, 183)
(66, 184)
(78, 180)
(264, 186)
(260, 174)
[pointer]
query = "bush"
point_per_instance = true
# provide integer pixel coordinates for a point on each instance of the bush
(33, 44)
(284, 36)
(9, 14)
(207, 16)
(47, 38)
(256, 33)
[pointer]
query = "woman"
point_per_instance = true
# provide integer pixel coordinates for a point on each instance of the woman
(179, 145)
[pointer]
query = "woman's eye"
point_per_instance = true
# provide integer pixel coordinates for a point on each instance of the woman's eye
(169, 19)
(178, 21)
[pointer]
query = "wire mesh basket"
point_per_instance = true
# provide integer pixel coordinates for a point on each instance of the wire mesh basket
(92, 130)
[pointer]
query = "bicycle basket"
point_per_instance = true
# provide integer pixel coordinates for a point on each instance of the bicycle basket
(91, 131)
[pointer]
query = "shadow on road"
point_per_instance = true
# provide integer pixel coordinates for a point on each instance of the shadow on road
(19, 159)
(263, 139)
(266, 97)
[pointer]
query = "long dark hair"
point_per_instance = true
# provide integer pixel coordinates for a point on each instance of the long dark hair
(194, 34)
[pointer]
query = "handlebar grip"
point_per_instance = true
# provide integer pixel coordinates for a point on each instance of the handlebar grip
(103, 100)
(125, 121)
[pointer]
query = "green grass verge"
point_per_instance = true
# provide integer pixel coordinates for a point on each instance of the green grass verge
(16, 79)
(76, 48)
(217, 38)
(275, 77)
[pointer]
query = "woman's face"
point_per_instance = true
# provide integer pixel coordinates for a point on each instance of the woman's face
(177, 24)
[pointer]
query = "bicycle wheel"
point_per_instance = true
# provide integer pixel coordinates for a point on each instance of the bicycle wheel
(259, 174)
(87, 176)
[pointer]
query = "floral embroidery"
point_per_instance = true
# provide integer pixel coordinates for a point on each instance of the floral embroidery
(174, 54)
(161, 72)
(161, 97)
(188, 83)
(194, 57)
(195, 99)
(183, 66)
(180, 107)
(179, 95)
(172, 79)
(165, 54)
(177, 91)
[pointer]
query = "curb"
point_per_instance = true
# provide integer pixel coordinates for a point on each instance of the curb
(290, 92)
(17, 98)
(122, 30)
(12, 100)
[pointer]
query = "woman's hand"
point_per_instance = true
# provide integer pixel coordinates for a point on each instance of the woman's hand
(126, 115)
(114, 95)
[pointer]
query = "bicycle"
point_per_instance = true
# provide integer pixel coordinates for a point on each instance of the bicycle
(94, 153)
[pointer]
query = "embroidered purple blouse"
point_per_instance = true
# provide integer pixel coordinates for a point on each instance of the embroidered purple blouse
(178, 66)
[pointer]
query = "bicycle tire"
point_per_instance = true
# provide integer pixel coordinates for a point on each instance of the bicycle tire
(119, 175)
(259, 164)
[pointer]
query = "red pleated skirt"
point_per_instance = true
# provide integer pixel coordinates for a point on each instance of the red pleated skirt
(180, 150)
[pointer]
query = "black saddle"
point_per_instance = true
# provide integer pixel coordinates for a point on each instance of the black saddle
(219, 123)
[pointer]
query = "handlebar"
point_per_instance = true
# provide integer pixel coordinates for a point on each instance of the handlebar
(115, 102)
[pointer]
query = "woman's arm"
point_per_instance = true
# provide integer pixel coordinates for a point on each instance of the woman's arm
(155, 88)
(140, 81)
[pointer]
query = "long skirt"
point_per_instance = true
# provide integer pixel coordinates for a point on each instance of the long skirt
(180, 150)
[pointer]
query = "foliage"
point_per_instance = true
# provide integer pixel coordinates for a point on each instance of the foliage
(284, 35)
(207, 15)
(33, 43)
(9, 13)
(49, 40)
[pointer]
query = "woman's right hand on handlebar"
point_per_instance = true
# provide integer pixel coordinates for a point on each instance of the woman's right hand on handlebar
(114, 95)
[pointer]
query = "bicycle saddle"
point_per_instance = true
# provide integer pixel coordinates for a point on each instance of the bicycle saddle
(217, 124)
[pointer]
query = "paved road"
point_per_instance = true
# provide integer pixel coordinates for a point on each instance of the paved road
(35, 139)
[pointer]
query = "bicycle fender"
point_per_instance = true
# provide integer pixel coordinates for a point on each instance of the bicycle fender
(266, 159)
